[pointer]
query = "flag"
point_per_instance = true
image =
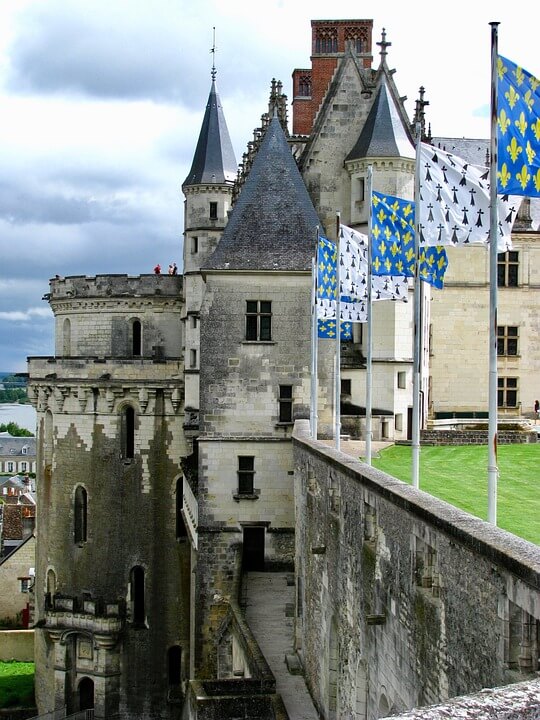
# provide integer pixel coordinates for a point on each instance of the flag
(392, 248)
(518, 130)
(327, 329)
(354, 271)
(455, 202)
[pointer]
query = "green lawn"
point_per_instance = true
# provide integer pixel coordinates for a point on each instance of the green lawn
(459, 476)
(16, 684)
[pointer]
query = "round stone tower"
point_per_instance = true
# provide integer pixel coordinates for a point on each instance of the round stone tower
(112, 569)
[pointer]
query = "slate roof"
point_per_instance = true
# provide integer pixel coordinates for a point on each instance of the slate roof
(273, 223)
(383, 134)
(11, 445)
(214, 161)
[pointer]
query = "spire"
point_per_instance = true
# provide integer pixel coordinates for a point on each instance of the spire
(383, 134)
(214, 161)
(273, 223)
(383, 44)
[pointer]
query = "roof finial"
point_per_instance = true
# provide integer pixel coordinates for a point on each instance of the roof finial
(213, 51)
(383, 44)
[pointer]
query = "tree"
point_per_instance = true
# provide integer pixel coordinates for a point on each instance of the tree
(13, 429)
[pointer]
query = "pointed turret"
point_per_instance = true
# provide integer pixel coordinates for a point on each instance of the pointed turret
(384, 134)
(273, 222)
(214, 161)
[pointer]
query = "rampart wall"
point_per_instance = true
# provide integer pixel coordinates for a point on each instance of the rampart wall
(404, 601)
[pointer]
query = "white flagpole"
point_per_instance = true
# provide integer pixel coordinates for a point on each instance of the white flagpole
(417, 354)
(493, 471)
(369, 362)
(313, 416)
(337, 373)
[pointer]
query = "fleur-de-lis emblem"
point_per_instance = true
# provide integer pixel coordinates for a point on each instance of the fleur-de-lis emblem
(537, 181)
(504, 175)
(387, 232)
(531, 154)
(377, 264)
(534, 83)
(535, 127)
(514, 149)
(376, 232)
(520, 76)
(382, 248)
(523, 177)
(394, 249)
(501, 68)
(528, 99)
(399, 266)
(504, 121)
(409, 255)
(381, 216)
(512, 96)
(522, 124)
(388, 265)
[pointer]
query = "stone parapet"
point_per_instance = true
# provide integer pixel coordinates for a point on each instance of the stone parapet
(106, 286)
(106, 370)
(475, 437)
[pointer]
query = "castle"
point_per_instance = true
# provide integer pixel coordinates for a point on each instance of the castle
(169, 462)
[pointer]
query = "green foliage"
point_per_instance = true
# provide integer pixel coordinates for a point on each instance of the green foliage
(14, 389)
(458, 475)
(16, 430)
(16, 684)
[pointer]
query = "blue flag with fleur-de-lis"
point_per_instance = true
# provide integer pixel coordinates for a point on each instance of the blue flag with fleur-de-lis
(518, 130)
(392, 247)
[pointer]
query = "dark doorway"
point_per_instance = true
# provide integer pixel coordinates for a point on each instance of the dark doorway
(86, 694)
(253, 555)
(409, 423)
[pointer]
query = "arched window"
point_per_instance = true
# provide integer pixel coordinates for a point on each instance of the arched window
(50, 588)
(128, 432)
(66, 338)
(174, 664)
(181, 531)
(136, 338)
(136, 582)
(80, 514)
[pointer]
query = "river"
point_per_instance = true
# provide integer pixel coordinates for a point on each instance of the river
(23, 415)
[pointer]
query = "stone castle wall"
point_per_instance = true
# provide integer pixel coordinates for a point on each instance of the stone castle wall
(403, 600)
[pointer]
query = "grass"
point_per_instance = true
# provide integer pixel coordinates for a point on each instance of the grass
(16, 684)
(458, 475)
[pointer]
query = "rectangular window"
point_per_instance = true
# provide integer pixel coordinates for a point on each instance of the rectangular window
(361, 189)
(507, 395)
(507, 340)
(285, 404)
(258, 320)
(25, 584)
(399, 422)
(193, 321)
(10, 467)
(402, 379)
(246, 474)
(194, 245)
(507, 269)
(345, 386)
(192, 358)
(24, 467)
(213, 211)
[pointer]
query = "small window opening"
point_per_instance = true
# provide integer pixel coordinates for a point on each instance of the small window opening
(136, 338)
(80, 514)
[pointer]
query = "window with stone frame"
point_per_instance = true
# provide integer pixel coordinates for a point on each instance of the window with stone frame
(136, 338)
(304, 85)
(258, 320)
(127, 430)
(246, 474)
(507, 340)
(425, 570)
(507, 392)
(521, 635)
(137, 595)
(507, 269)
(213, 211)
(326, 40)
(285, 404)
(80, 515)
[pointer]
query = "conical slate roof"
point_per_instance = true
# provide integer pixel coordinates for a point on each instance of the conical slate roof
(383, 134)
(214, 160)
(273, 223)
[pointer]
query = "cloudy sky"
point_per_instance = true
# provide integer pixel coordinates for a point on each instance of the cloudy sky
(102, 100)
